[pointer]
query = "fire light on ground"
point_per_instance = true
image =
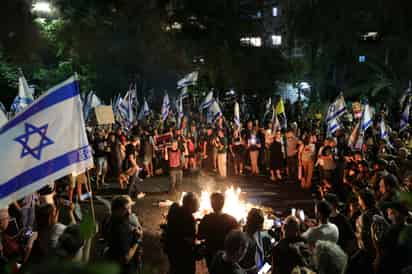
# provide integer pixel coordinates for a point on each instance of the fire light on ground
(234, 206)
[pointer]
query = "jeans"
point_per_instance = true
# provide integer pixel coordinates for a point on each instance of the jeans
(222, 164)
(292, 163)
(176, 177)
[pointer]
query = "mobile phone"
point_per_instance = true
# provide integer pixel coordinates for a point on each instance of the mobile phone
(265, 269)
(293, 212)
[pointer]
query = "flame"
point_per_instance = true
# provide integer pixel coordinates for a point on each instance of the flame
(234, 205)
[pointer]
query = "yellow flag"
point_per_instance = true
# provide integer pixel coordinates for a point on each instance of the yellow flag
(280, 107)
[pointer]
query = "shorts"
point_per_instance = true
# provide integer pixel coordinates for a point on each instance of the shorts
(101, 165)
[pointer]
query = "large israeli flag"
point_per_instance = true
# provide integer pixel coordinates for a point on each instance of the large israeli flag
(43, 143)
(336, 109)
(24, 97)
(208, 101)
(165, 107)
(188, 80)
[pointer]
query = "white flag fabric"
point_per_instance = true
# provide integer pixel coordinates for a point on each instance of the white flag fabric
(367, 116)
(43, 143)
(188, 80)
(336, 109)
(332, 126)
(208, 101)
(405, 115)
(92, 101)
(214, 112)
(145, 111)
(165, 107)
(184, 93)
(383, 130)
(236, 116)
(24, 96)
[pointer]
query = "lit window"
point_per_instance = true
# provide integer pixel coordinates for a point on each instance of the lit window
(276, 40)
(256, 41)
(275, 11)
(251, 41)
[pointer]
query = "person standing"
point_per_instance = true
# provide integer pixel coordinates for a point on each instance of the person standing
(292, 149)
(254, 146)
(307, 160)
(238, 150)
(174, 156)
(214, 227)
(181, 235)
(276, 157)
(221, 148)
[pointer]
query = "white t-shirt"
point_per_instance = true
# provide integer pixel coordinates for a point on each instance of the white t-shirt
(322, 232)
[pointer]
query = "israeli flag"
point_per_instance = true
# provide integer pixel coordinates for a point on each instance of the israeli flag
(184, 93)
(383, 130)
(180, 112)
(214, 112)
(367, 116)
(336, 109)
(145, 111)
(24, 97)
(332, 126)
(43, 143)
(207, 102)
(405, 116)
(236, 117)
(188, 80)
(92, 101)
(165, 107)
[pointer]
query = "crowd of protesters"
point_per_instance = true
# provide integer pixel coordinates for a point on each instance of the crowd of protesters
(361, 222)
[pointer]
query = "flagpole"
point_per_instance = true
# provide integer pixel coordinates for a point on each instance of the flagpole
(91, 196)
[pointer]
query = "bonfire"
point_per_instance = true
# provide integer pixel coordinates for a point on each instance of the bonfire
(234, 206)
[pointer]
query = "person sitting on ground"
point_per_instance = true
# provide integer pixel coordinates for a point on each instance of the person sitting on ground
(329, 258)
(227, 261)
(325, 230)
(214, 227)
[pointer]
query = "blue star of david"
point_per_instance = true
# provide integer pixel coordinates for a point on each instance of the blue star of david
(24, 140)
